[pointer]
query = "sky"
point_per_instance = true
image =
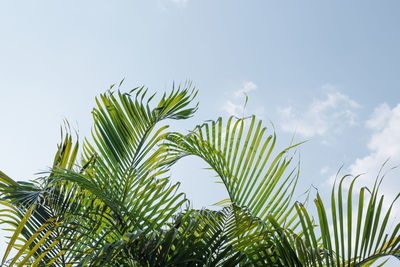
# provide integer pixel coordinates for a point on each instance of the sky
(322, 71)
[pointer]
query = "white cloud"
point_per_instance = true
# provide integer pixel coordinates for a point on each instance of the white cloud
(380, 117)
(233, 109)
(238, 109)
(246, 88)
(330, 114)
(384, 144)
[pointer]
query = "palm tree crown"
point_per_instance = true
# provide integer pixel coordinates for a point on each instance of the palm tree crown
(115, 205)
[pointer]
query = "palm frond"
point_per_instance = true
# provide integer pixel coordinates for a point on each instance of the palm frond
(242, 158)
(117, 206)
(341, 246)
(119, 188)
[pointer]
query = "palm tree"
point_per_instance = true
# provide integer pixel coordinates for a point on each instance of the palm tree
(116, 206)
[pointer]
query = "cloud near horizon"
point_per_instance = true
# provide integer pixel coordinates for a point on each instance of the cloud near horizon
(330, 114)
(383, 145)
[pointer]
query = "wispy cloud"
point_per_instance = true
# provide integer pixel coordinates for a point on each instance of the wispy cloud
(235, 106)
(233, 109)
(385, 140)
(246, 88)
(383, 144)
(329, 114)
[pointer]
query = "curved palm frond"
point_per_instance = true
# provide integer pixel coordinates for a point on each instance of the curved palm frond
(240, 232)
(119, 208)
(36, 208)
(341, 246)
(117, 190)
(241, 155)
(194, 238)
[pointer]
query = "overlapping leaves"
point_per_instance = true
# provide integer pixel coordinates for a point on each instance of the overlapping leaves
(119, 188)
(116, 206)
(242, 157)
(359, 237)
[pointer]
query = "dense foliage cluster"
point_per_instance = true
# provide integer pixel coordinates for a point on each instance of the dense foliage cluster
(114, 204)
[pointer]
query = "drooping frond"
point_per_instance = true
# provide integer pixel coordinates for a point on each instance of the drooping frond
(241, 155)
(117, 206)
(118, 188)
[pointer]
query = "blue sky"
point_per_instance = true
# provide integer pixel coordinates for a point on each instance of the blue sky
(326, 71)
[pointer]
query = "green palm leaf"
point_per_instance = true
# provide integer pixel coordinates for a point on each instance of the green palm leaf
(372, 239)
(117, 206)
(242, 157)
